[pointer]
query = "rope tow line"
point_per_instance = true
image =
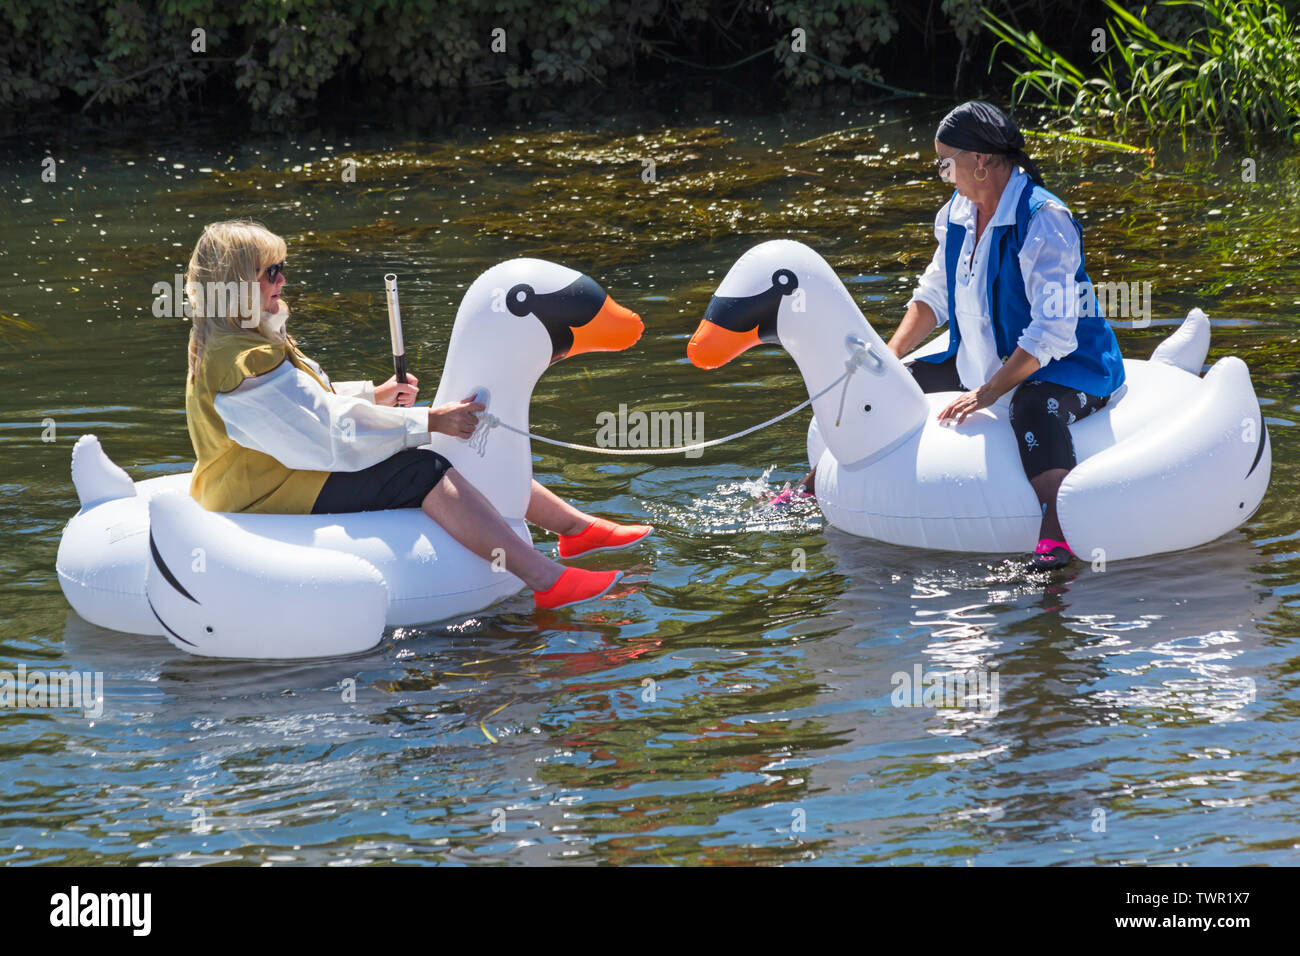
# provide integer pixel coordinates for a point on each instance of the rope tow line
(859, 353)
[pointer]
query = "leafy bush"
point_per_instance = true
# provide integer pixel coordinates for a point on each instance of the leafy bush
(1229, 66)
(275, 56)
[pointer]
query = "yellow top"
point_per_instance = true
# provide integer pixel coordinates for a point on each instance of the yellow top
(228, 476)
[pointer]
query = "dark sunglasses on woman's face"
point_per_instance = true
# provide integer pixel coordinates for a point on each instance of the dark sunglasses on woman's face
(274, 271)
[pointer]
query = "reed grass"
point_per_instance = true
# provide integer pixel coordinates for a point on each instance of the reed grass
(1236, 72)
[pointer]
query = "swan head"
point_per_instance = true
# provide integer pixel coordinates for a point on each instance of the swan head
(546, 309)
(784, 293)
(515, 320)
(734, 324)
(778, 293)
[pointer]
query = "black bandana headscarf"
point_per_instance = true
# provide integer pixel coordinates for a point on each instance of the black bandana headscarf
(983, 128)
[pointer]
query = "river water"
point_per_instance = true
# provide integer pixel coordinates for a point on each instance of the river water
(734, 702)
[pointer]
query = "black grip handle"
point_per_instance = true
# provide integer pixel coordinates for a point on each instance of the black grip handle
(399, 369)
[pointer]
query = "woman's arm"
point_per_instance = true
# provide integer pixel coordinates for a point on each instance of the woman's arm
(1049, 261)
(931, 291)
(286, 415)
(362, 390)
(392, 392)
(1013, 371)
(918, 322)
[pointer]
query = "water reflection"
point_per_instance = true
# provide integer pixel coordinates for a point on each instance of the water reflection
(737, 704)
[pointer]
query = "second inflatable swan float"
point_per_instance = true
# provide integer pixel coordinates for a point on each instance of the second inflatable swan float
(1175, 460)
(146, 558)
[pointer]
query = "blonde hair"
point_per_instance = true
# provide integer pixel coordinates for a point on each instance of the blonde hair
(222, 288)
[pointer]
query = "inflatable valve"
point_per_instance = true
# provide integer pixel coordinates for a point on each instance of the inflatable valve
(482, 393)
(859, 353)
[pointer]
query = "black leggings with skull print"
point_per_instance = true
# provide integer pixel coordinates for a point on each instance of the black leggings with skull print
(1041, 414)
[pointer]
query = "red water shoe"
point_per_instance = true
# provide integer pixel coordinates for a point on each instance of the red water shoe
(602, 535)
(575, 585)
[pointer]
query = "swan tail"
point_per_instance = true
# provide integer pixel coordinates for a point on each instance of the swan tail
(1181, 481)
(1187, 347)
(95, 476)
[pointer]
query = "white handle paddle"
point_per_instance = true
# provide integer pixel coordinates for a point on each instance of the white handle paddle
(395, 329)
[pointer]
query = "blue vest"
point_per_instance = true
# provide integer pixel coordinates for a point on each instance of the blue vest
(1095, 366)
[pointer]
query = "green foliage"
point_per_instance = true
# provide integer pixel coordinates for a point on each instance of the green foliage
(273, 57)
(1235, 70)
(835, 30)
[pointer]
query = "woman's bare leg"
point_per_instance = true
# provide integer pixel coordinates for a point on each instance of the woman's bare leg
(1045, 486)
(470, 518)
(548, 510)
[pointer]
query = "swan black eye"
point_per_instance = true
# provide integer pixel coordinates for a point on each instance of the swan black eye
(519, 299)
(785, 280)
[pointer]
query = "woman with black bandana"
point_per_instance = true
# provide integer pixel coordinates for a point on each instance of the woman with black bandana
(1008, 277)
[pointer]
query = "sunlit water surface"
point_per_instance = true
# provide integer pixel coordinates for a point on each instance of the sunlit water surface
(732, 701)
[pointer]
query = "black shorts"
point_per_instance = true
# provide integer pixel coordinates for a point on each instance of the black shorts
(401, 481)
(1041, 414)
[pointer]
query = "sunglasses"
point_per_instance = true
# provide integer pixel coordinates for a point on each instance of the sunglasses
(275, 271)
(945, 164)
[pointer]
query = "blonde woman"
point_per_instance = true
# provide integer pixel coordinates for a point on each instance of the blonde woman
(261, 415)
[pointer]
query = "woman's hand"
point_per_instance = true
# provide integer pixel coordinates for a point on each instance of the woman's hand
(393, 392)
(459, 419)
(966, 403)
(1013, 371)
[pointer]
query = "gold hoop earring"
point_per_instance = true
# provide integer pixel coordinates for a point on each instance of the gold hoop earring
(978, 177)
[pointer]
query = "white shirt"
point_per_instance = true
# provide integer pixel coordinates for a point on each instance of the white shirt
(1051, 254)
(287, 415)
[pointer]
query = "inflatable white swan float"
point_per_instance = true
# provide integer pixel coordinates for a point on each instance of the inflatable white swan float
(1173, 461)
(146, 558)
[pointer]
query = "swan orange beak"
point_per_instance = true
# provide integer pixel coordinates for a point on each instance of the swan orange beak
(712, 346)
(612, 329)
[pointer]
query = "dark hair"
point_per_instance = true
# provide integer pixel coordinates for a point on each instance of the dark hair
(983, 128)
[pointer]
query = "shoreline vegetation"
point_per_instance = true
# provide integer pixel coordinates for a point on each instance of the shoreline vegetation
(1216, 67)
(1120, 72)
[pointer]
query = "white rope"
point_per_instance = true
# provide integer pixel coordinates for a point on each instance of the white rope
(488, 421)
